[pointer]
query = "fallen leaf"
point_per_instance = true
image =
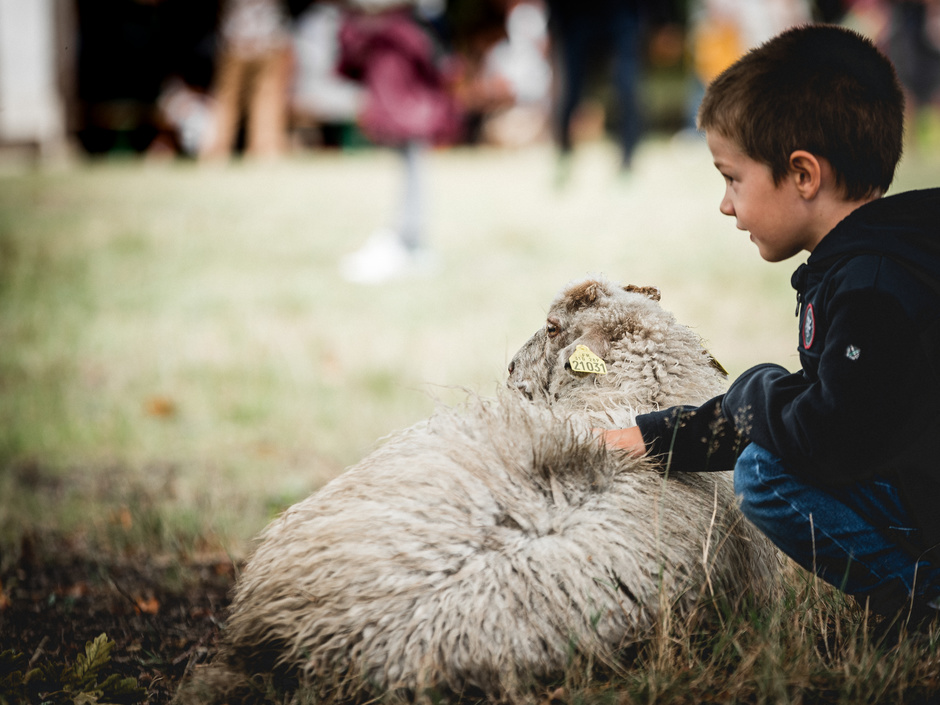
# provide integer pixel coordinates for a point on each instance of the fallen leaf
(147, 605)
(124, 518)
(4, 599)
(160, 407)
(76, 590)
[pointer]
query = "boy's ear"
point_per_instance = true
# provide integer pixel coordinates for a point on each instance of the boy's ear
(807, 172)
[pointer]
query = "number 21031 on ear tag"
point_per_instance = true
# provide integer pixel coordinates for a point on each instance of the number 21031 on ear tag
(586, 362)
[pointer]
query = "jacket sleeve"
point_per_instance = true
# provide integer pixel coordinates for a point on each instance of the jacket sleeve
(868, 394)
(691, 439)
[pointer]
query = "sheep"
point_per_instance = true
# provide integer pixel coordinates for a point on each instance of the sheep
(654, 361)
(476, 549)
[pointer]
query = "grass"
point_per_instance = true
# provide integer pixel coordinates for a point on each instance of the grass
(179, 359)
(814, 646)
(183, 332)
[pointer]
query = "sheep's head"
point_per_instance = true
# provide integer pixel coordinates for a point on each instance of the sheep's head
(594, 314)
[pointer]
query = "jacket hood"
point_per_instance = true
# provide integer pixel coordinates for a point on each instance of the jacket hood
(905, 227)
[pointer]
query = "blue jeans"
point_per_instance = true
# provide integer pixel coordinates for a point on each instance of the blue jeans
(858, 538)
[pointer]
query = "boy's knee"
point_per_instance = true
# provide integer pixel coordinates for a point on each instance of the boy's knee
(751, 474)
(745, 472)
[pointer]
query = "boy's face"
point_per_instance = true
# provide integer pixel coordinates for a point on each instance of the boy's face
(773, 214)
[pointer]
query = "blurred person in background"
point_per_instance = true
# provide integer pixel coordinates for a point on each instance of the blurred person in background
(504, 74)
(723, 30)
(913, 44)
(252, 75)
(581, 33)
(324, 104)
(388, 47)
(124, 53)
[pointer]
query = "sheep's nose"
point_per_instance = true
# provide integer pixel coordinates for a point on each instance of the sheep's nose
(512, 366)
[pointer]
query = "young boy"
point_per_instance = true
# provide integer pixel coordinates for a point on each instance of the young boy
(839, 463)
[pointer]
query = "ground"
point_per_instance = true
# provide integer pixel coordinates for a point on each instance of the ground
(164, 615)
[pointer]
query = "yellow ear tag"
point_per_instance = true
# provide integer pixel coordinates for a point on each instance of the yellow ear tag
(586, 362)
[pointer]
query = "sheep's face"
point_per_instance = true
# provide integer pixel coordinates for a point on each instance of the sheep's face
(590, 313)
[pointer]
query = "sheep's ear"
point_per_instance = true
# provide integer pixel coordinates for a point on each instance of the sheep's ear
(648, 291)
(595, 342)
(582, 295)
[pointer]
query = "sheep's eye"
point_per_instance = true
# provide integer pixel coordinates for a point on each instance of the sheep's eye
(552, 329)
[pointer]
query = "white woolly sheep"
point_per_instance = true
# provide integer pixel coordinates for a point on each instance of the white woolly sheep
(473, 551)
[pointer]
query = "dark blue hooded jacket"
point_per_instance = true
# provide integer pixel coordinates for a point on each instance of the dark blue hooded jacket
(867, 400)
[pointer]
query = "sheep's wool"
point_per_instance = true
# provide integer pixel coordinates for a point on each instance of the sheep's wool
(476, 549)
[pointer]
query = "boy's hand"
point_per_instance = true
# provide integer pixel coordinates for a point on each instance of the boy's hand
(629, 440)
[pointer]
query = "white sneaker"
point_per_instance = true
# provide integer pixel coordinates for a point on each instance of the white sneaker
(382, 258)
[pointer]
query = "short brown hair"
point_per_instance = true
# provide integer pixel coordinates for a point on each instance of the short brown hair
(822, 88)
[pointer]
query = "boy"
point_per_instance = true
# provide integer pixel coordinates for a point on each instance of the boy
(839, 463)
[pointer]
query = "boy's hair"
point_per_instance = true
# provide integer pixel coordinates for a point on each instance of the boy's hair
(821, 88)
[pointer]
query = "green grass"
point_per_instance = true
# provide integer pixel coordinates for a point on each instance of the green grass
(183, 333)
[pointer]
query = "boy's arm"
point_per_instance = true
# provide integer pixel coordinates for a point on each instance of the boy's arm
(873, 370)
(682, 438)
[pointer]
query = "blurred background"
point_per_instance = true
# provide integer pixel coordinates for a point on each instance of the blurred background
(241, 241)
(155, 77)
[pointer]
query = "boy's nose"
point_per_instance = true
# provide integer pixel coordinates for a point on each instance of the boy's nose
(725, 206)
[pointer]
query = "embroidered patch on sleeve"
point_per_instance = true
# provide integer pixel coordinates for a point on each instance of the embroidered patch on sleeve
(809, 327)
(853, 353)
